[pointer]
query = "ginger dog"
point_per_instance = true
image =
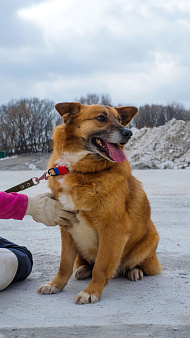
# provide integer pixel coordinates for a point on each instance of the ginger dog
(115, 235)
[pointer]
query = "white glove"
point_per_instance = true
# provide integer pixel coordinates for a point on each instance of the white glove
(45, 209)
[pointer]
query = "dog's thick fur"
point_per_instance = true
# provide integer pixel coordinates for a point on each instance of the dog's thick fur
(115, 235)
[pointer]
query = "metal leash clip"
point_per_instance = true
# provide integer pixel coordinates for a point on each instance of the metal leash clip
(51, 174)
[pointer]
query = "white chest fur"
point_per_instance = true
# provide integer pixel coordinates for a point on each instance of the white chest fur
(66, 201)
(84, 236)
(86, 240)
(69, 159)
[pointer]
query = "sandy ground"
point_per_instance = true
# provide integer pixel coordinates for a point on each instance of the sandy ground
(154, 307)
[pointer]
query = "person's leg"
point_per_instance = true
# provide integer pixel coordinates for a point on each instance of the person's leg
(23, 256)
(8, 267)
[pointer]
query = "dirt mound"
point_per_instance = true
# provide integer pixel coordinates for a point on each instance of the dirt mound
(164, 147)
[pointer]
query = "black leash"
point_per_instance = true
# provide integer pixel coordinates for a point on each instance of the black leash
(60, 170)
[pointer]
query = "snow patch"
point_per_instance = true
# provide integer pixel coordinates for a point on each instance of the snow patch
(164, 147)
(7, 157)
(31, 166)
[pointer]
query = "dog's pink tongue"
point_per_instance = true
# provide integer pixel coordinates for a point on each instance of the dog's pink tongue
(115, 152)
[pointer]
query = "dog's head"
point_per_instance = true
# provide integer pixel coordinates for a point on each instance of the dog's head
(98, 129)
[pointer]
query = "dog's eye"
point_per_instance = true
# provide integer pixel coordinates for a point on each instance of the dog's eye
(102, 118)
(119, 120)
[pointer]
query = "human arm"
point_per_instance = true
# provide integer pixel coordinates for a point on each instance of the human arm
(43, 208)
(13, 205)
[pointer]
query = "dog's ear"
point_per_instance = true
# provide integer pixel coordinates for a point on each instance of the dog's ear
(126, 113)
(67, 110)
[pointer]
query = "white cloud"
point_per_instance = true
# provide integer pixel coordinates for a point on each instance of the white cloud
(136, 51)
(173, 5)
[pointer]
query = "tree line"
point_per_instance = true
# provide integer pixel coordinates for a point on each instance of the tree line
(26, 125)
(148, 115)
(157, 115)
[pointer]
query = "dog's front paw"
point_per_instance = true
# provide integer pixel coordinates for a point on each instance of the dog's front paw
(85, 298)
(48, 289)
(84, 271)
(135, 274)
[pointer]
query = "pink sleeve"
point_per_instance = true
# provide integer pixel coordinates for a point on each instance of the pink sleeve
(13, 205)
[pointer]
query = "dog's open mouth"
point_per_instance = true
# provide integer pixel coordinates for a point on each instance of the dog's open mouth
(112, 151)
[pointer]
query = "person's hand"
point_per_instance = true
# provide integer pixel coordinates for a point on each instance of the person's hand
(45, 209)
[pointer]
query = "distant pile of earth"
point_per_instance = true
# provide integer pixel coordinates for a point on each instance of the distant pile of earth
(164, 147)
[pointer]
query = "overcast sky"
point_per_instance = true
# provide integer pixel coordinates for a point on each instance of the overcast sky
(136, 51)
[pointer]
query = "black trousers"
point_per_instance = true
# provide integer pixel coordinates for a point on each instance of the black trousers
(24, 257)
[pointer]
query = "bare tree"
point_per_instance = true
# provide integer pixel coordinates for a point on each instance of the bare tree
(93, 98)
(26, 126)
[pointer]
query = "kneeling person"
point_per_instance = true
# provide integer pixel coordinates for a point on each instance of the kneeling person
(16, 261)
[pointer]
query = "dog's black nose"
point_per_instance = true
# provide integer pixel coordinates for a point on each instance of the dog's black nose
(127, 132)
